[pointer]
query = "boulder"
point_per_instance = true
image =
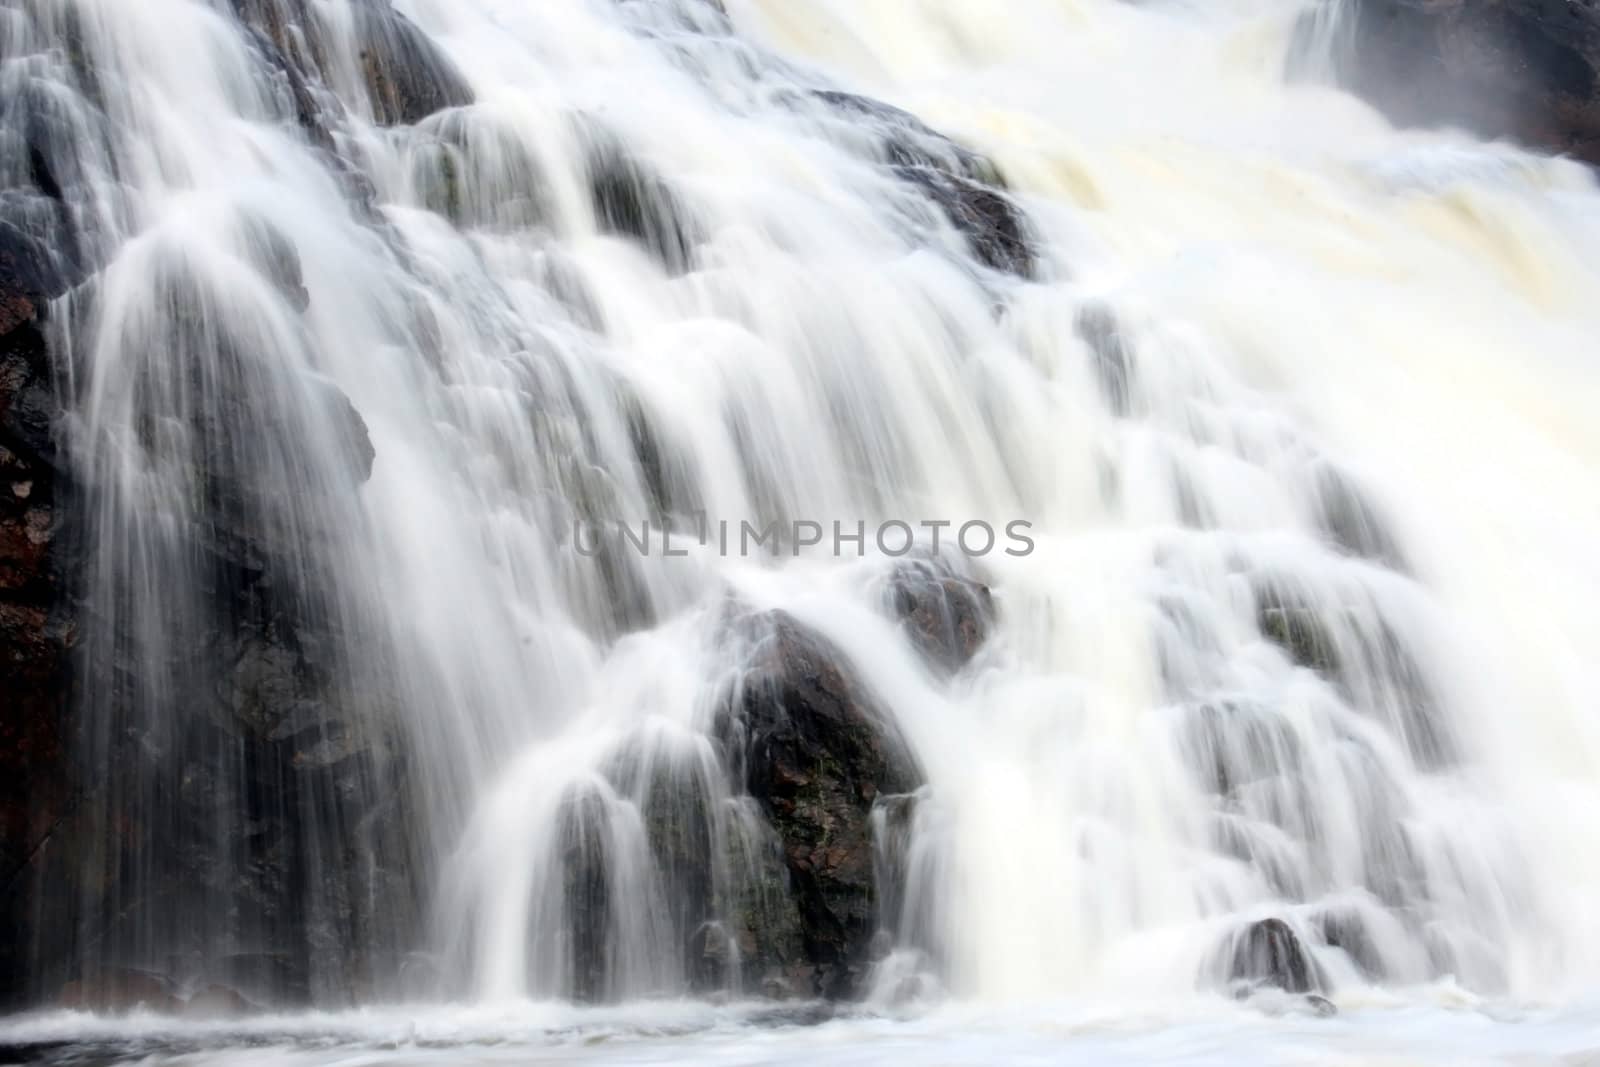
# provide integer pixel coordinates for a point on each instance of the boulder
(947, 616)
(1518, 69)
(1266, 954)
(811, 745)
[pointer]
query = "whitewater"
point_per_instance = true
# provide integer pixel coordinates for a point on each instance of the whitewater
(1298, 408)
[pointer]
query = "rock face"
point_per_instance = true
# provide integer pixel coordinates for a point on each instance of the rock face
(817, 754)
(1519, 69)
(276, 793)
(38, 621)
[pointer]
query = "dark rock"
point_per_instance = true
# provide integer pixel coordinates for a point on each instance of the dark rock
(313, 112)
(39, 624)
(903, 140)
(1519, 69)
(30, 276)
(816, 752)
(52, 142)
(1266, 954)
(28, 406)
(587, 895)
(408, 78)
(965, 186)
(312, 854)
(947, 617)
(986, 218)
(673, 792)
(283, 33)
(631, 201)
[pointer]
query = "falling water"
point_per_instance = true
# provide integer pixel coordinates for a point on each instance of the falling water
(382, 313)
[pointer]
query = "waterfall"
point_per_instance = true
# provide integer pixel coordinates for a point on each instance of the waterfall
(614, 499)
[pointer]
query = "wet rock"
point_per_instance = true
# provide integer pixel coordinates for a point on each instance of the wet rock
(948, 617)
(311, 108)
(674, 798)
(1321, 1006)
(967, 187)
(631, 201)
(408, 78)
(1098, 327)
(285, 36)
(476, 172)
(1519, 69)
(1297, 628)
(314, 855)
(39, 624)
(586, 895)
(30, 276)
(986, 218)
(1266, 954)
(903, 140)
(814, 749)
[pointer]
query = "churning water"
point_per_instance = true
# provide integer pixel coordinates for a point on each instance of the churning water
(1300, 410)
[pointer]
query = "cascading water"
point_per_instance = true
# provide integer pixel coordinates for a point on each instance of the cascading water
(380, 317)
